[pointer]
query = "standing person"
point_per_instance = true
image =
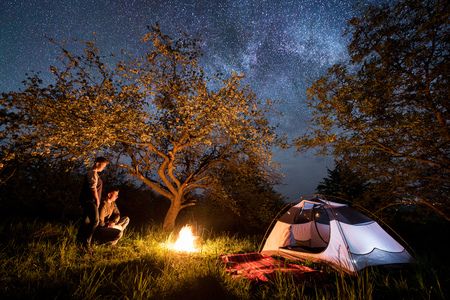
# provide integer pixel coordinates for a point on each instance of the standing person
(112, 224)
(91, 193)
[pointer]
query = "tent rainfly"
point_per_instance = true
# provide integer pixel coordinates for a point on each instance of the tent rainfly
(335, 234)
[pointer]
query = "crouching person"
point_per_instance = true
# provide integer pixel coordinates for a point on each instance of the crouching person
(111, 224)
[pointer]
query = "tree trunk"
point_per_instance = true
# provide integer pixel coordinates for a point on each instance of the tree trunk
(172, 213)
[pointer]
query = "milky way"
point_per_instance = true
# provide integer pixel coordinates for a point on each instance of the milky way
(280, 46)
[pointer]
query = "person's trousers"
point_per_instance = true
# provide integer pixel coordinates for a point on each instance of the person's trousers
(89, 223)
(123, 221)
(107, 235)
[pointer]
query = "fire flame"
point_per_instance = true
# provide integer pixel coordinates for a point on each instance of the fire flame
(185, 241)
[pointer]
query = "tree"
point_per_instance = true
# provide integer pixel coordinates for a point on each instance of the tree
(243, 197)
(343, 183)
(385, 113)
(158, 116)
(41, 188)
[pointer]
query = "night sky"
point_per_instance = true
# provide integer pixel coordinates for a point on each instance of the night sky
(279, 45)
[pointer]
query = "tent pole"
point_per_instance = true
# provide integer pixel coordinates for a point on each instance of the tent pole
(338, 223)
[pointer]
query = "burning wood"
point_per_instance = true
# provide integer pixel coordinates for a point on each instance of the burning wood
(185, 241)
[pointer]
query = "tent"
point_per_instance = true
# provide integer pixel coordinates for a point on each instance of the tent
(335, 234)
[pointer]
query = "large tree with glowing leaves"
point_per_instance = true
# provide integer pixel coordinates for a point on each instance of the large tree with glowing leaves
(385, 114)
(157, 115)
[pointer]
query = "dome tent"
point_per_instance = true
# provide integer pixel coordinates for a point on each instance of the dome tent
(335, 234)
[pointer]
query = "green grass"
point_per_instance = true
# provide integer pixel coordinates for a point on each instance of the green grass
(42, 261)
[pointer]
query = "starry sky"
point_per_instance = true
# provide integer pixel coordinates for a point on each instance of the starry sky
(281, 46)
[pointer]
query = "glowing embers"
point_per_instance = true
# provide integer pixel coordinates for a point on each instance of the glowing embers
(185, 241)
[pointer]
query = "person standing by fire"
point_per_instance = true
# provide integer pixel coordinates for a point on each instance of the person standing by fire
(91, 193)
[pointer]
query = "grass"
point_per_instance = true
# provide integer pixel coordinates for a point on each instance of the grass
(42, 261)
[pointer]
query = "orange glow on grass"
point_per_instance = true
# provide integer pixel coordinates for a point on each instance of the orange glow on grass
(185, 241)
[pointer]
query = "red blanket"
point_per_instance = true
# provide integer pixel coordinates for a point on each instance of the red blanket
(262, 268)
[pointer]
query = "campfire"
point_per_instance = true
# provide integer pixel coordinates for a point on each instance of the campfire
(185, 241)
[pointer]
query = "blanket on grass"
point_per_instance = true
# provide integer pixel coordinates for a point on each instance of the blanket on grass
(260, 268)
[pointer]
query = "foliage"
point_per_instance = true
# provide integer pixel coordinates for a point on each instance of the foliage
(342, 183)
(242, 200)
(41, 261)
(385, 114)
(42, 188)
(158, 115)
(345, 185)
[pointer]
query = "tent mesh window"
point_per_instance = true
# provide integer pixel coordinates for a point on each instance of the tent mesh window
(350, 216)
